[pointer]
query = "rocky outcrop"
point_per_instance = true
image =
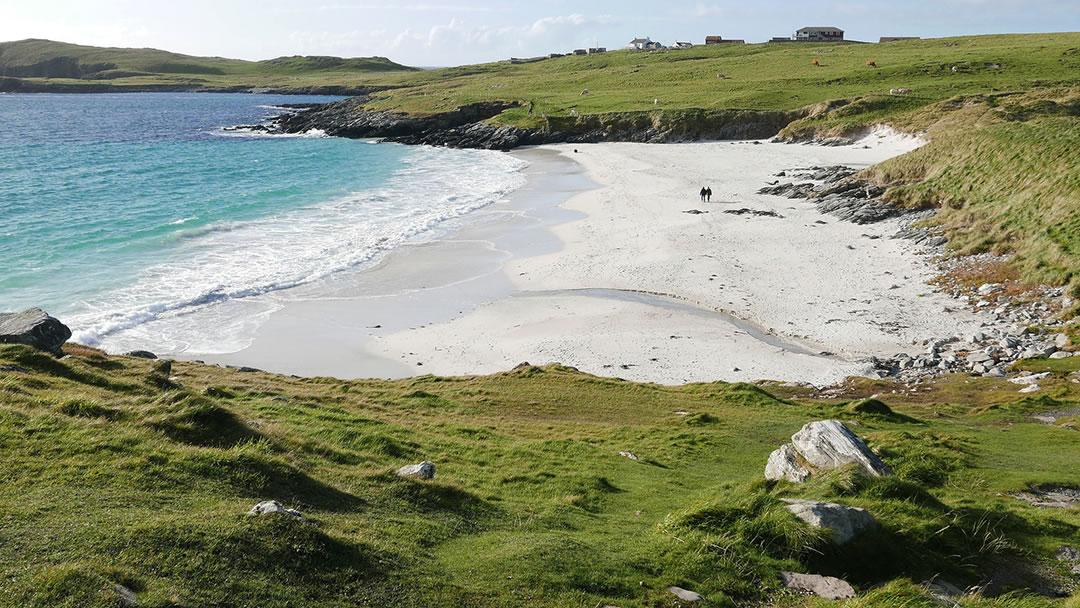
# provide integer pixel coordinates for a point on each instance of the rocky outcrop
(33, 327)
(468, 127)
(826, 444)
(845, 522)
(826, 587)
(272, 507)
(424, 470)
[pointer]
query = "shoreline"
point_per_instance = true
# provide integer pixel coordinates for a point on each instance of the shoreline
(614, 279)
(330, 327)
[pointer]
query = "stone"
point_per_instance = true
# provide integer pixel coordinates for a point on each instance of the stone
(845, 522)
(988, 288)
(685, 595)
(943, 591)
(1061, 340)
(33, 327)
(127, 596)
(424, 470)
(829, 444)
(825, 587)
(1068, 554)
(1032, 379)
(979, 357)
(141, 354)
(269, 507)
(1031, 388)
(1061, 355)
(630, 455)
(784, 464)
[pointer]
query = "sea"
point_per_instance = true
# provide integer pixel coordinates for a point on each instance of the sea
(143, 223)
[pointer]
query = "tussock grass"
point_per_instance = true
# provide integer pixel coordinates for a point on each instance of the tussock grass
(126, 482)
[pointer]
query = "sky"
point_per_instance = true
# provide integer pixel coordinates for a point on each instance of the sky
(456, 32)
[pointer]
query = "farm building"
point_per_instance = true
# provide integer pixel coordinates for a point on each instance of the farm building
(820, 34)
(644, 44)
(719, 40)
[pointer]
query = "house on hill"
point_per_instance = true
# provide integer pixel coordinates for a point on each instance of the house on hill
(820, 34)
(683, 45)
(644, 44)
(719, 40)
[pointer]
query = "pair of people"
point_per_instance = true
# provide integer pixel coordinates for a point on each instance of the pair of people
(706, 194)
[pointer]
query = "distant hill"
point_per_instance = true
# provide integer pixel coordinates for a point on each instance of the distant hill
(34, 58)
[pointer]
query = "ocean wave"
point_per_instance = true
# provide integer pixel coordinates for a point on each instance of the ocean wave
(237, 260)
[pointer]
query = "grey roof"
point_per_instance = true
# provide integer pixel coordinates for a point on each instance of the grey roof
(639, 40)
(820, 29)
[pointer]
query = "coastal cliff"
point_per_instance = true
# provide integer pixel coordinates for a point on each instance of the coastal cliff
(469, 126)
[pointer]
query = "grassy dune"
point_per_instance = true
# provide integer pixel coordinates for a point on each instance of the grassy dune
(114, 474)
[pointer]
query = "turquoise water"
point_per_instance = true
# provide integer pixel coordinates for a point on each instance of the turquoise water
(124, 215)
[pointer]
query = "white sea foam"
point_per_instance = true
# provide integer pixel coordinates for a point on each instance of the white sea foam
(180, 305)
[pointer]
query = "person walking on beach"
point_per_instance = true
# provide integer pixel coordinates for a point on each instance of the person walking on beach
(708, 194)
(703, 193)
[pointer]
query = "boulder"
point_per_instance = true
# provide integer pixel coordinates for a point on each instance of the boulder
(1031, 379)
(141, 354)
(1061, 355)
(269, 507)
(826, 587)
(424, 470)
(33, 327)
(126, 596)
(829, 444)
(845, 522)
(784, 464)
(690, 597)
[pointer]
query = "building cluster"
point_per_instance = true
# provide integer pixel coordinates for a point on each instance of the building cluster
(806, 34)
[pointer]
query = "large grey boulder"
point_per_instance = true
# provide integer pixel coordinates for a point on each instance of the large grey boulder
(424, 470)
(845, 522)
(784, 464)
(271, 507)
(830, 444)
(826, 587)
(33, 327)
(825, 444)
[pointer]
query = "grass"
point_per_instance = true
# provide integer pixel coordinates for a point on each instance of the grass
(146, 485)
(45, 62)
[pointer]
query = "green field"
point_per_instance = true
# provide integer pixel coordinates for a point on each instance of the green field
(48, 63)
(114, 474)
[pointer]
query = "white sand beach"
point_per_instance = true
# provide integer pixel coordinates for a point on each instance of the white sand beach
(634, 287)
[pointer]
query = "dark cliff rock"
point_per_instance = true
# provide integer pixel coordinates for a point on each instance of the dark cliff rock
(33, 327)
(467, 126)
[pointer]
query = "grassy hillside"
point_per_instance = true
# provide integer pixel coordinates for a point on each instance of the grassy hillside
(113, 473)
(46, 59)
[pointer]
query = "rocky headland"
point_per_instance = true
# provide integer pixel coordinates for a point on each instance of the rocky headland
(468, 126)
